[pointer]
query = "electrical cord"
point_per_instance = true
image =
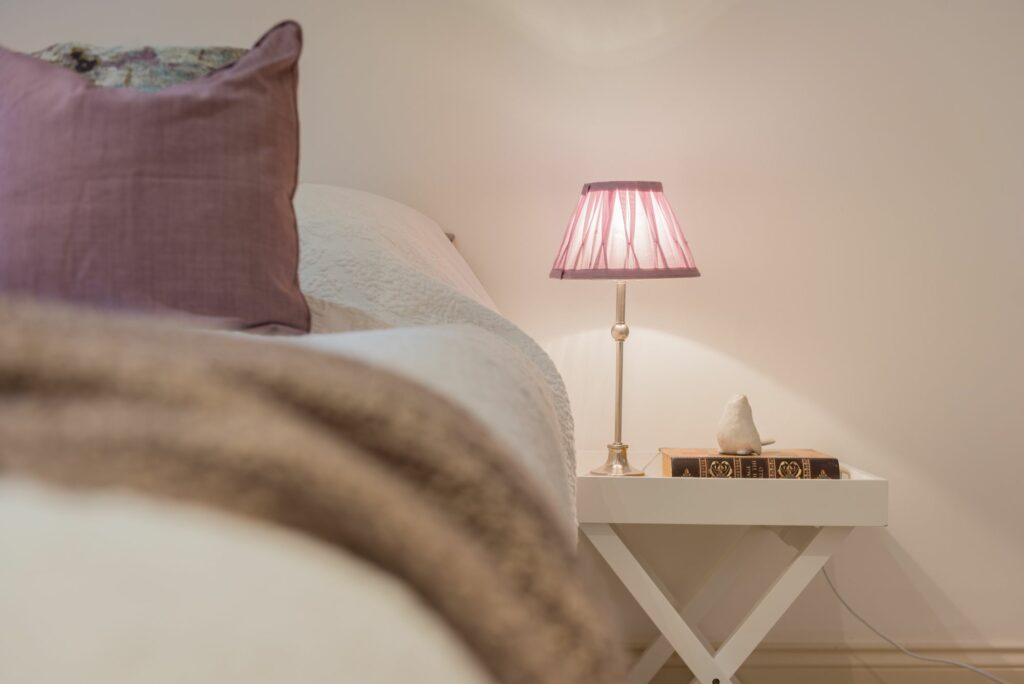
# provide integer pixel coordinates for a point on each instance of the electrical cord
(930, 659)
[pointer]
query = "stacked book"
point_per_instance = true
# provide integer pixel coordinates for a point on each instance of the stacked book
(792, 464)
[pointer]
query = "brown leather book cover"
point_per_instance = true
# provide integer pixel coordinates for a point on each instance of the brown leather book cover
(792, 464)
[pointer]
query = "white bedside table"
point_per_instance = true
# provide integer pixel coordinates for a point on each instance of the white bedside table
(812, 516)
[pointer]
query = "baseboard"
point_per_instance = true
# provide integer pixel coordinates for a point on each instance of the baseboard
(777, 664)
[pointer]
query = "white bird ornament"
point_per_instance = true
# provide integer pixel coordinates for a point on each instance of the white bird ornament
(737, 433)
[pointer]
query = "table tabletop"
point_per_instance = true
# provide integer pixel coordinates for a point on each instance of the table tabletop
(860, 501)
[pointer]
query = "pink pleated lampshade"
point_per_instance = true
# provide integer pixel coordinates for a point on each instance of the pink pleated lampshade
(624, 230)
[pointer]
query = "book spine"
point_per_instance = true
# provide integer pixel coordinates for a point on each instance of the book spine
(755, 467)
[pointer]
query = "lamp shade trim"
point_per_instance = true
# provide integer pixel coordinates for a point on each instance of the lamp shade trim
(625, 273)
(650, 186)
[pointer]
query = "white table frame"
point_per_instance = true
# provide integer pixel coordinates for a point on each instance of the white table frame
(814, 517)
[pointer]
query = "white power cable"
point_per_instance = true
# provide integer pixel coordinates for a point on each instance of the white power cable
(930, 659)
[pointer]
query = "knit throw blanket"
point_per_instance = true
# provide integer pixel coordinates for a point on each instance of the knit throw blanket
(325, 445)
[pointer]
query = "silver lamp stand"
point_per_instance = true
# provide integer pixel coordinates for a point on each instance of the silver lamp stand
(618, 463)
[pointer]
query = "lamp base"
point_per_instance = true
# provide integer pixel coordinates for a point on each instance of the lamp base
(617, 464)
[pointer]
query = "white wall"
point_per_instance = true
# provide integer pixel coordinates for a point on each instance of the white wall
(851, 179)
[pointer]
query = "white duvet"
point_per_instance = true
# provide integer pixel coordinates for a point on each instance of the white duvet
(115, 588)
(364, 257)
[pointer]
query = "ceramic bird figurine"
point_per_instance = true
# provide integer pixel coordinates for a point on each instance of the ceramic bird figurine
(737, 433)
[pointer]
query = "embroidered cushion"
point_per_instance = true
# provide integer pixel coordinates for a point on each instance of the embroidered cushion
(145, 68)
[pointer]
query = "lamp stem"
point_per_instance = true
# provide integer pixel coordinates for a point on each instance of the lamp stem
(618, 463)
(620, 342)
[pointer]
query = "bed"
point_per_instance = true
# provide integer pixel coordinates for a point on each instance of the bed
(111, 585)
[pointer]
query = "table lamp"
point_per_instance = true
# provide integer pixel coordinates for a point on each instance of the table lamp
(623, 230)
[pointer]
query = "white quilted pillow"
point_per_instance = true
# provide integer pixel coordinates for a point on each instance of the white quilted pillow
(347, 236)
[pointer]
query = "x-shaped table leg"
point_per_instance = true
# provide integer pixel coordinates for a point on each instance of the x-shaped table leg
(815, 547)
(717, 582)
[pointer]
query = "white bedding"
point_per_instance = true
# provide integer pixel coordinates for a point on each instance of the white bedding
(485, 374)
(349, 261)
(114, 588)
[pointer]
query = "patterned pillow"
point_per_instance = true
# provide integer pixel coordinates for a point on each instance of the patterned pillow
(146, 68)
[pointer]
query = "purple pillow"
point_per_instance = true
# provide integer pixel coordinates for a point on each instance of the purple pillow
(175, 200)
